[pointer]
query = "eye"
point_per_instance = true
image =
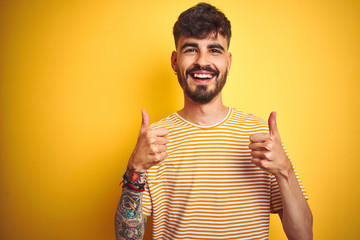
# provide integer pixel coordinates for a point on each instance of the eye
(214, 50)
(190, 50)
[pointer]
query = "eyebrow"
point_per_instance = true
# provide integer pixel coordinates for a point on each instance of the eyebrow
(215, 45)
(189, 45)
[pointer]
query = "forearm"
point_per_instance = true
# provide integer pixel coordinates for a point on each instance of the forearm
(150, 149)
(296, 215)
(129, 220)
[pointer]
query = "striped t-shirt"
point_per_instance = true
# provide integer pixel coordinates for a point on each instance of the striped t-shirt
(207, 187)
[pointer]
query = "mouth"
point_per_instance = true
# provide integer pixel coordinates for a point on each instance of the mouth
(201, 77)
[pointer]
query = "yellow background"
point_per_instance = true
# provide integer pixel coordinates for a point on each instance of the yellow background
(75, 75)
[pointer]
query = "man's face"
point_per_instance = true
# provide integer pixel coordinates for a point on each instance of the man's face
(202, 66)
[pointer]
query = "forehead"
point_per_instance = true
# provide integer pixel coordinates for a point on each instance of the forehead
(203, 42)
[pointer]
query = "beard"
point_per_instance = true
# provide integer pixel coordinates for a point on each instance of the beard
(202, 94)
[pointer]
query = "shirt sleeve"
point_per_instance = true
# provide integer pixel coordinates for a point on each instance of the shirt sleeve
(146, 202)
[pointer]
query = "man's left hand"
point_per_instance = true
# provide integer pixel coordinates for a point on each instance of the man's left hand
(267, 151)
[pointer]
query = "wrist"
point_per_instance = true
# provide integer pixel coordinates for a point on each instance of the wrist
(134, 166)
(285, 174)
(134, 177)
(134, 180)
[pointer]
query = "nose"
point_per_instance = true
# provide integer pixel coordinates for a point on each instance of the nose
(201, 59)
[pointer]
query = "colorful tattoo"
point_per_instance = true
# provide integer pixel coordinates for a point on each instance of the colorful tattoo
(135, 178)
(129, 220)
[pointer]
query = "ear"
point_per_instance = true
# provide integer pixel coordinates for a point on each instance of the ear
(229, 61)
(174, 60)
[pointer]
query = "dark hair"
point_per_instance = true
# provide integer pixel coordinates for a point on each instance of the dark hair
(201, 20)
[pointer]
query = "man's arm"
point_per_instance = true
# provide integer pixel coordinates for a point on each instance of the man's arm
(150, 149)
(296, 215)
(268, 153)
(129, 219)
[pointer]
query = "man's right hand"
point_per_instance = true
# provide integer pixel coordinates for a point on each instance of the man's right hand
(150, 148)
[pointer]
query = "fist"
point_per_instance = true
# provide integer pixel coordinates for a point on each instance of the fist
(267, 151)
(150, 148)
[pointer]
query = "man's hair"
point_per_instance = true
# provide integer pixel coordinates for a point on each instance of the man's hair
(200, 21)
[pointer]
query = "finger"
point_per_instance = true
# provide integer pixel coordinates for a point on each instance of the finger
(272, 124)
(256, 161)
(264, 164)
(160, 157)
(160, 132)
(258, 154)
(258, 146)
(154, 149)
(161, 140)
(260, 137)
(145, 121)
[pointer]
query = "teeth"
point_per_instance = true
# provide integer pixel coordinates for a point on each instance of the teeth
(202, 75)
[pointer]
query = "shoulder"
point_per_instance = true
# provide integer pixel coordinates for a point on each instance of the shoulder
(166, 122)
(246, 117)
(248, 121)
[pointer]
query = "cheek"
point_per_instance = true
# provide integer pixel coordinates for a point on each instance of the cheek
(222, 64)
(185, 63)
(223, 68)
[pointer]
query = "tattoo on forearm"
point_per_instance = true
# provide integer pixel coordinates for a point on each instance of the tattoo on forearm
(135, 177)
(129, 220)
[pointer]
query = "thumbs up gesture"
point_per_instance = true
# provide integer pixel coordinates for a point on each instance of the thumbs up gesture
(267, 151)
(150, 148)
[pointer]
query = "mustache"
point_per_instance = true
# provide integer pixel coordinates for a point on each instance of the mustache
(199, 68)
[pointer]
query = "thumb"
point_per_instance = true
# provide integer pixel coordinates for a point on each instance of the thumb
(145, 121)
(272, 124)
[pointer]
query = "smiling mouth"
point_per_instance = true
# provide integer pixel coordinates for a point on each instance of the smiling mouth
(202, 77)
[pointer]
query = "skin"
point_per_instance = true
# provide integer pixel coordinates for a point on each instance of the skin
(129, 220)
(266, 149)
(268, 154)
(150, 149)
(203, 54)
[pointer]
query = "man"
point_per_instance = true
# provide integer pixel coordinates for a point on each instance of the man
(212, 172)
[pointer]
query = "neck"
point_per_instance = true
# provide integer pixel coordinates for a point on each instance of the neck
(204, 114)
